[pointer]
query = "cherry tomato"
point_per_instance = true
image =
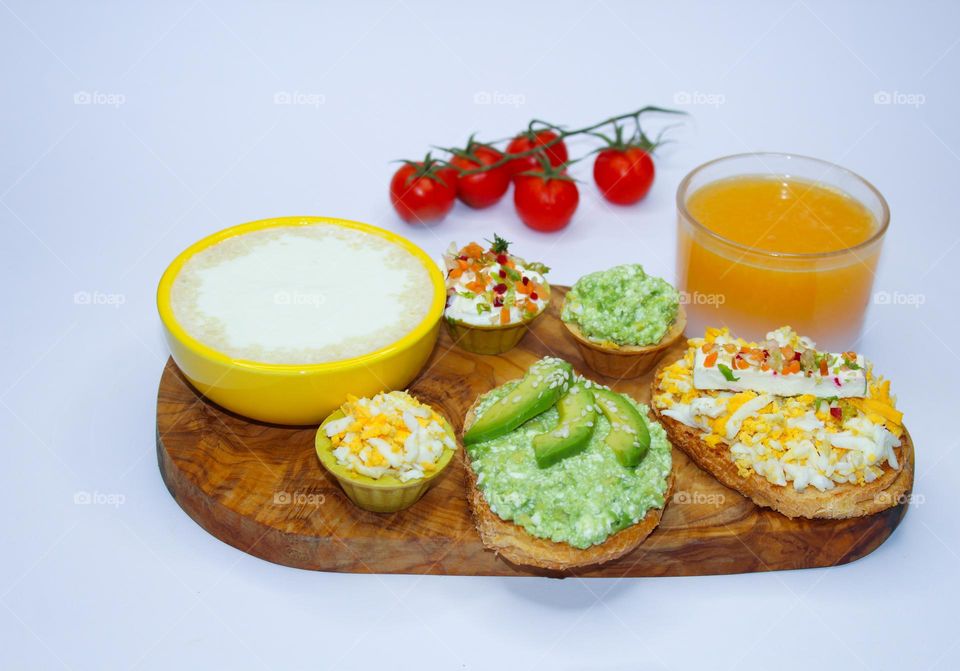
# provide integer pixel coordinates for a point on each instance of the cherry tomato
(624, 175)
(422, 192)
(545, 202)
(449, 177)
(482, 189)
(557, 153)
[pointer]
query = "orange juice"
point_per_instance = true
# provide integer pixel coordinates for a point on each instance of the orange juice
(782, 215)
(759, 251)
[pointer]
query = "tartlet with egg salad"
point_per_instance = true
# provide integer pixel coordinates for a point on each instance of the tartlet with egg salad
(623, 320)
(492, 296)
(807, 433)
(385, 451)
(563, 472)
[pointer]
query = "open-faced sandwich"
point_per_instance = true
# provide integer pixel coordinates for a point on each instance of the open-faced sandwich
(807, 433)
(562, 472)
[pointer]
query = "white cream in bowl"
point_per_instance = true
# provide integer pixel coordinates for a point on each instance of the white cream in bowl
(301, 294)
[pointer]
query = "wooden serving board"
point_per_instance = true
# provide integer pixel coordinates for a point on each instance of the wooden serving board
(262, 489)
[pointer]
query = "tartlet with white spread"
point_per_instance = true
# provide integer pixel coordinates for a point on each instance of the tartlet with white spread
(492, 296)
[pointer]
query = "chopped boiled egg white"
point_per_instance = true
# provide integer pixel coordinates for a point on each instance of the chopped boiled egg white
(389, 434)
(784, 432)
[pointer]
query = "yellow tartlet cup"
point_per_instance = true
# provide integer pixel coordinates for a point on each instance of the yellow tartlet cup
(386, 494)
(298, 394)
(492, 338)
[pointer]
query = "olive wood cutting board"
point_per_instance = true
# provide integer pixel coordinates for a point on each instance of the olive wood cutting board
(261, 489)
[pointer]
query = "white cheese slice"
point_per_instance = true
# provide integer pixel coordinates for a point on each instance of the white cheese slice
(842, 384)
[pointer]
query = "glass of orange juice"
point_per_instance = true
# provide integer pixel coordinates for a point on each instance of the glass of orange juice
(766, 240)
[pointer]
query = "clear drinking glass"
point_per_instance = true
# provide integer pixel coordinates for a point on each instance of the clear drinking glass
(752, 290)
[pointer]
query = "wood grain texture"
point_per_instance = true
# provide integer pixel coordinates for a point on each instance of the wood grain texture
(261, 489)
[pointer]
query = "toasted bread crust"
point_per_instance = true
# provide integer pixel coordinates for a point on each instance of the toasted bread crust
(844, 500)
(516, 545)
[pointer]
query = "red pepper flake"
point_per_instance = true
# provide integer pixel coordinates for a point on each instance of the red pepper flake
(503, 273)
(836, 413)
(500, 288)
(836, 381)
(498, 301)
(533, 295)
(796, 356)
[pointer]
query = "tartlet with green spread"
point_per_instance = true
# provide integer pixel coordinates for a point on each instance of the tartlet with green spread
(623, 320)
(563, 472)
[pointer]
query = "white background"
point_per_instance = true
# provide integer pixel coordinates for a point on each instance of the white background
(181, 136)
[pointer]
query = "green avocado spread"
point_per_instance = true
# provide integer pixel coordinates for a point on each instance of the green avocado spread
(581, 500)
(622, 305)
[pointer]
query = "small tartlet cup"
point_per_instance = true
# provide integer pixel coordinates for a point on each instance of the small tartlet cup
(492, 338)
(387, 494)
(626, 361)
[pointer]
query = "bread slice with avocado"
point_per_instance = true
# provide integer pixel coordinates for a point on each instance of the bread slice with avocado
(533, 485)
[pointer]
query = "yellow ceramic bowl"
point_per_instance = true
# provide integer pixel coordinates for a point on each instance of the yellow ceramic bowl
(293, 393)
(386, 494)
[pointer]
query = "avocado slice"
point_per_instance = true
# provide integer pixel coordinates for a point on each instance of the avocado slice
(628, 438)
(539, 390)
(578, 416)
